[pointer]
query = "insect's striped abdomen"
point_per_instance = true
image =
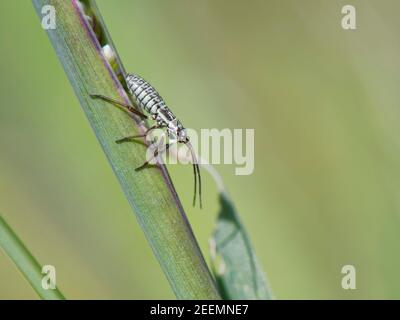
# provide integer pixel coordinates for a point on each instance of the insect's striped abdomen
(144, 93)
(149, 99)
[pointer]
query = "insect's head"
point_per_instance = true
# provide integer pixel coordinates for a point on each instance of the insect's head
(182, 136)
(177, 132)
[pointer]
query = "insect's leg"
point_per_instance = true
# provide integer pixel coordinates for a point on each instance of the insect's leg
(156, 153)
(120, 104)
(124, 139)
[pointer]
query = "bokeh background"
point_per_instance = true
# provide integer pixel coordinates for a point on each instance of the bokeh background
(324, 103)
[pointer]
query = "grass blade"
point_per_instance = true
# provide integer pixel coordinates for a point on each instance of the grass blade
(25, 262)
(237, 271)
(150, 192)
(235, 266)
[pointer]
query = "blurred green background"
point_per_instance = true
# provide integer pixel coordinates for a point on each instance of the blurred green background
(324, 103)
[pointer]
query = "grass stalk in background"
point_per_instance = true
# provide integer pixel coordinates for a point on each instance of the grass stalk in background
(237, 271)
(25, 262)
(79, 39)
(235, 265)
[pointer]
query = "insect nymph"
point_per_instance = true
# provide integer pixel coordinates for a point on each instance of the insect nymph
(148, 99)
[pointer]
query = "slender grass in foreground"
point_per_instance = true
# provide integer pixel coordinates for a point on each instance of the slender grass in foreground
(25, 262)
(81, 42)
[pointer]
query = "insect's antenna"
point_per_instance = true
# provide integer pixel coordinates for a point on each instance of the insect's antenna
(195, 183)
(196, 172)
(199, 176)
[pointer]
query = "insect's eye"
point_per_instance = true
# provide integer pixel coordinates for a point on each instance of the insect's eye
(182, 135)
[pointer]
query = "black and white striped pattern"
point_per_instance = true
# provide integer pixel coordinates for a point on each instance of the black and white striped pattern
(149, 100)
(144, 93)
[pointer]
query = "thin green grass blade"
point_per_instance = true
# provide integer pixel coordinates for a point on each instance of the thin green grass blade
(237, 271)
(25, 262)
(150, 192)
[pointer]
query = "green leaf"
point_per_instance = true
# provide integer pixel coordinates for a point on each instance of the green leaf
(25, 262)
(237, 271)
(150, 191)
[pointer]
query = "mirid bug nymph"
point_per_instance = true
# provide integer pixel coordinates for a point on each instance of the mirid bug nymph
(148, 99)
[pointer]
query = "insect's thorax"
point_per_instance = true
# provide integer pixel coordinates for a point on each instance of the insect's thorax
(147, 98)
